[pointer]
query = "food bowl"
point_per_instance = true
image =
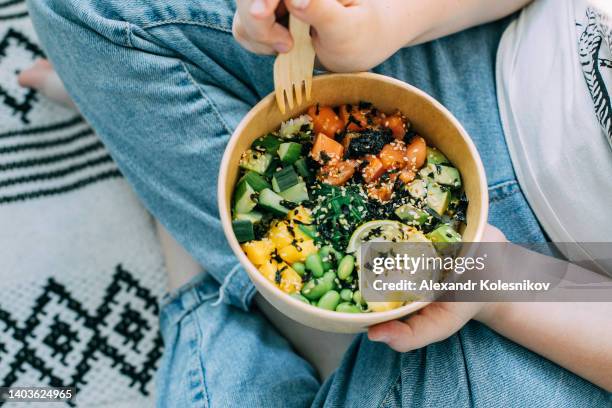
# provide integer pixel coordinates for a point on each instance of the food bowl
(428, 117)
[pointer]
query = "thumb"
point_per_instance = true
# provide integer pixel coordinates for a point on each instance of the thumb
(315, 12)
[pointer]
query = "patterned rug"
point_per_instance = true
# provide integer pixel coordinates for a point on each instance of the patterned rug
(81, 270)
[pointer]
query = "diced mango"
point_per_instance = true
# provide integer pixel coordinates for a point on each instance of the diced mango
(383, 306)
(291, 281)
(259, 252)
(298, 251)
(280, 234)
(300, 214)
(268, 270)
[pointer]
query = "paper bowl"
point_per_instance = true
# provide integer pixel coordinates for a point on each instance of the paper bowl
(428, 117)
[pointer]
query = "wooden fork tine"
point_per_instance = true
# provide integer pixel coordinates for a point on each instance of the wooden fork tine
(293, 70)
(280, 74)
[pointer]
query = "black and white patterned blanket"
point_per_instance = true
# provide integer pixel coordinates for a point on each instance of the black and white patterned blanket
(81, 270)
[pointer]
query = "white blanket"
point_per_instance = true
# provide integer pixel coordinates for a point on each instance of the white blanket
(81, 269)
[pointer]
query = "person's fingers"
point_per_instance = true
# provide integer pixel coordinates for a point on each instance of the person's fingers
(412, 334)
(434, 323)
(316, 12)
(256, 29)
(263, 8)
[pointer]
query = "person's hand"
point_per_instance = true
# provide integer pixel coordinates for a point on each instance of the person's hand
(438, 320)
(256, 27)
(348, 35)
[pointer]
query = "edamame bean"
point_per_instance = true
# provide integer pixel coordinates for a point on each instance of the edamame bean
(316, 288)
(346, 266)
(346, 294)
(327, 266)
(347, 307)
(328, 253)
(300, 268)
(358, 299)
(300, 297)
(329, 301)
(315, 265)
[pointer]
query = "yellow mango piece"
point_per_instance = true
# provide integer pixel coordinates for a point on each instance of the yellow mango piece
(291, 281)
(300, 214)
(280, 234)
(259, 252)
(383, 306)
(289, 254)
(297, 252)
(268, 270)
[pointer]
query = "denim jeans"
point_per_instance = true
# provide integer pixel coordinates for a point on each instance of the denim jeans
(164, 85)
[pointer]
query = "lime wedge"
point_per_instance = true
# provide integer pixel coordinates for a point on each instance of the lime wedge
(377, 231)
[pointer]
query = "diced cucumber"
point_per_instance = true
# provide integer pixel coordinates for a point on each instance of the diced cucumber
(296, 194)
(302, 168)
(444, 233)
(244, 198)
(269, 143)
(284, 179)
(437, 198)
(275, 166)
(448, 176)
(417, 189)
(271, 202)
(255, 180)
(412, 215)
(434, 156)
(243, 229)
(255, 161)
(253, 216)
(289, 152)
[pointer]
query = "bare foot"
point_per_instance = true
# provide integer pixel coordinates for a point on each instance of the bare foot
(44, 79)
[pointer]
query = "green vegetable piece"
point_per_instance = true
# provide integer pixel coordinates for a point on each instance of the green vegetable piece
(300, 298)
(346, 307)
(243, 229)
(269, 143)
(296, 194)
(316, 288)
(252, 216)
(284, 179)
(346, 295)
(309, 230)
(270, 201)
(244, 198)
(417, 189)
(411, 215)
(329, 301)
(434, 156)
(328, 253)
(302, 168)
(315, 265)
(358, 299)
(289, 152)
(300, 268)
(437, 198)
(345, 267)
(444, 233)
(255, 161)
(255, 180)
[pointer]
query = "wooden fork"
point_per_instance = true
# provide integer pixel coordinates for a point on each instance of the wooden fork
(293, 70)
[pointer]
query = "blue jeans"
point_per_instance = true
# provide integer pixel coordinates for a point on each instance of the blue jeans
(164, 85)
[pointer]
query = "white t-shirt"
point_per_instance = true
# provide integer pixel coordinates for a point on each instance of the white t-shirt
(554, 84)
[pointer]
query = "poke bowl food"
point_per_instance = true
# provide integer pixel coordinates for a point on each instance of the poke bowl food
(298, 198)
(311, 191)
